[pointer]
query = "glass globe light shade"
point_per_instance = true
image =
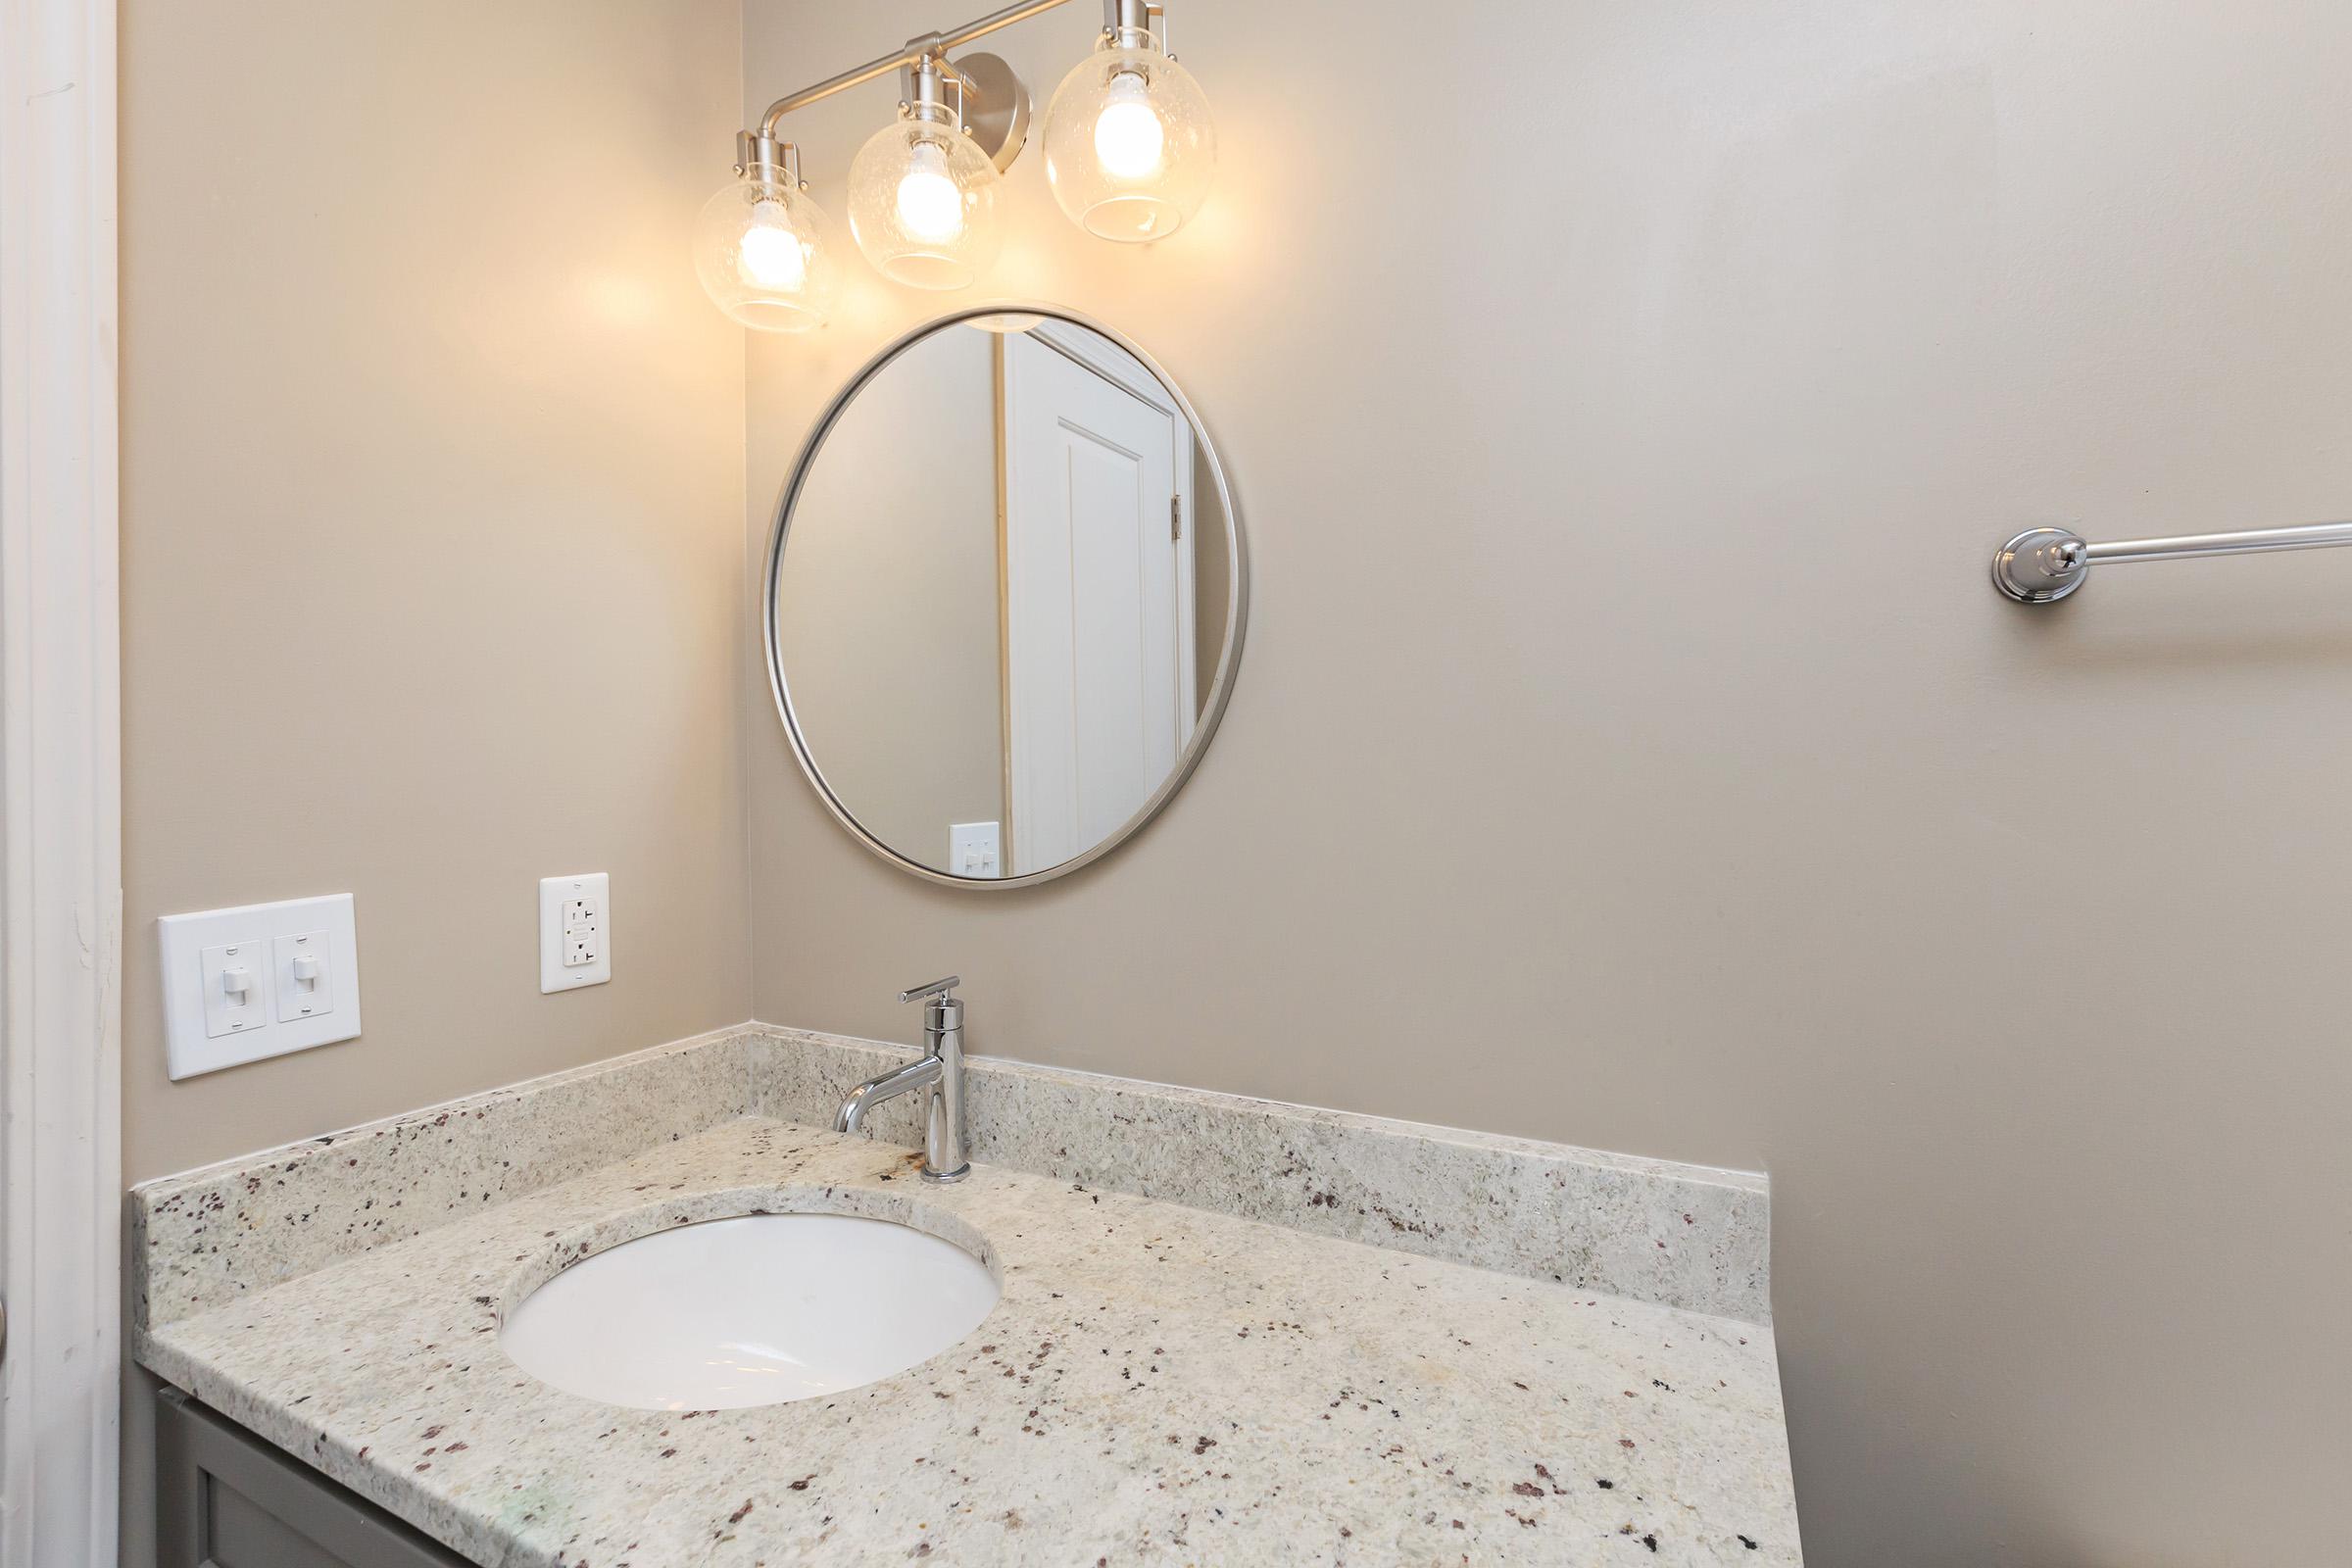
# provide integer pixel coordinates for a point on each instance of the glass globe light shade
(923, 204)
(764, 252)
(1130, 150)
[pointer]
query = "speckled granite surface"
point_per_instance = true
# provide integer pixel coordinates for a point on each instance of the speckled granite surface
(1656, 1231)
(1686, 1236)
(214, 1234)
(1157, 1385)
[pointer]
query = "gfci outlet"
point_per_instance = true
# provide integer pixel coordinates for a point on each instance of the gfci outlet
(576, 931)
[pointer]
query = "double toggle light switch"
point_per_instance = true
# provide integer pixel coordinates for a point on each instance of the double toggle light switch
(249, 983)
(258, 981)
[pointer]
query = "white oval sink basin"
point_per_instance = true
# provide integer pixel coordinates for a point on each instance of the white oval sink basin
(754, 1310)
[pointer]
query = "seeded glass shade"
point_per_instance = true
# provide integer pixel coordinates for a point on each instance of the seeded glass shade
(1130, 150)
(764, 252)
(923, 205)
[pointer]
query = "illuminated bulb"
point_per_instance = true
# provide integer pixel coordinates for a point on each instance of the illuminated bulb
(923, 202)
(769, 255)
(764, 252)
(1130, 151)
(930, 206)
(1129, 139)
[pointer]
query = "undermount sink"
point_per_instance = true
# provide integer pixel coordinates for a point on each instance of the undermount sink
(753, 1311)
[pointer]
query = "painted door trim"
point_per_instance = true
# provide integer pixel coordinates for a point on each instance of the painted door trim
(60, 839)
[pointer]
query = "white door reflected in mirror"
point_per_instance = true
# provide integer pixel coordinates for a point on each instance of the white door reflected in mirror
(1098, 610)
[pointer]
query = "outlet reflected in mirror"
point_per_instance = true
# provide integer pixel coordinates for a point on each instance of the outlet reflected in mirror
(1004, 598)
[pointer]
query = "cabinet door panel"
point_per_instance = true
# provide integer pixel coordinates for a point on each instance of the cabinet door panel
(226, 1499)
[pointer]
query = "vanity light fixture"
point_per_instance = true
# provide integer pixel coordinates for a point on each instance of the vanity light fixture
(1130, 154)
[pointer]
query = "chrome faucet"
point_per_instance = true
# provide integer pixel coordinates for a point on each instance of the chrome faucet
(941, 1072)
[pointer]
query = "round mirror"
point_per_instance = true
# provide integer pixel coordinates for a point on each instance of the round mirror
(1004, 597)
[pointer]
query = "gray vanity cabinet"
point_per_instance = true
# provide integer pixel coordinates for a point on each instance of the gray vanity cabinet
(226, 1499)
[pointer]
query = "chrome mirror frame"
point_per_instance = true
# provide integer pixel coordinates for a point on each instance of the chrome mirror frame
(1229, 655)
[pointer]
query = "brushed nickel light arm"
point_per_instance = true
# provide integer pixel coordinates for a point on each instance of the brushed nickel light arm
(916, 49)
(2043, 565)
(993, 103)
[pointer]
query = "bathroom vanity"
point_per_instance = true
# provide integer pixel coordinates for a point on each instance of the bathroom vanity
(1548, 1355)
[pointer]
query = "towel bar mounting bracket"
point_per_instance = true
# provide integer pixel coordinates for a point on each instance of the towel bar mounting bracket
(2040, 566)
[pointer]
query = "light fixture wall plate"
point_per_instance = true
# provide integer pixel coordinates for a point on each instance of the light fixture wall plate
(996, 107)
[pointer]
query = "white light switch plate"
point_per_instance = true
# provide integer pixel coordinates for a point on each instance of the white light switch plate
(576, 931)
(975, 849)
(206, 1028)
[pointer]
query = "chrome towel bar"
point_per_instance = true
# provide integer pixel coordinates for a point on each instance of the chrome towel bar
(2043, 565)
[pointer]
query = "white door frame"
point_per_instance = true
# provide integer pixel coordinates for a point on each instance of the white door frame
(60, 839)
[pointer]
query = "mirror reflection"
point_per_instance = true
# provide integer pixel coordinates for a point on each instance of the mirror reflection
(1000, 602)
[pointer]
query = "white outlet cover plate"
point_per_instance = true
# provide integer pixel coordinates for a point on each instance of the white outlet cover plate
(555, 892)
(189, 1047)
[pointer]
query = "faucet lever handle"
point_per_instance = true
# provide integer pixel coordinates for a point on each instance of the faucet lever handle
(937, 988)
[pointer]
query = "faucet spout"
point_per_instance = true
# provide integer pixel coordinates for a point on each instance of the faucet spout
(884, 1086)
(938, 1074)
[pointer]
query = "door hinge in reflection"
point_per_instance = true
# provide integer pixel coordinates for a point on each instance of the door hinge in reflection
(1175, 516)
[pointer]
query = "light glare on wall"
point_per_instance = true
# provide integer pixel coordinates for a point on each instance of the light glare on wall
(1130, 155)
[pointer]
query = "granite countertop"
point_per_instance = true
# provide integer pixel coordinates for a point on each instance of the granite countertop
(1158, 1384)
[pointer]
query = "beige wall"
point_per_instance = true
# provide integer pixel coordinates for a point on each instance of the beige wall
(431, 473)
(431, 533)
(1623, 401)
(887, 605)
